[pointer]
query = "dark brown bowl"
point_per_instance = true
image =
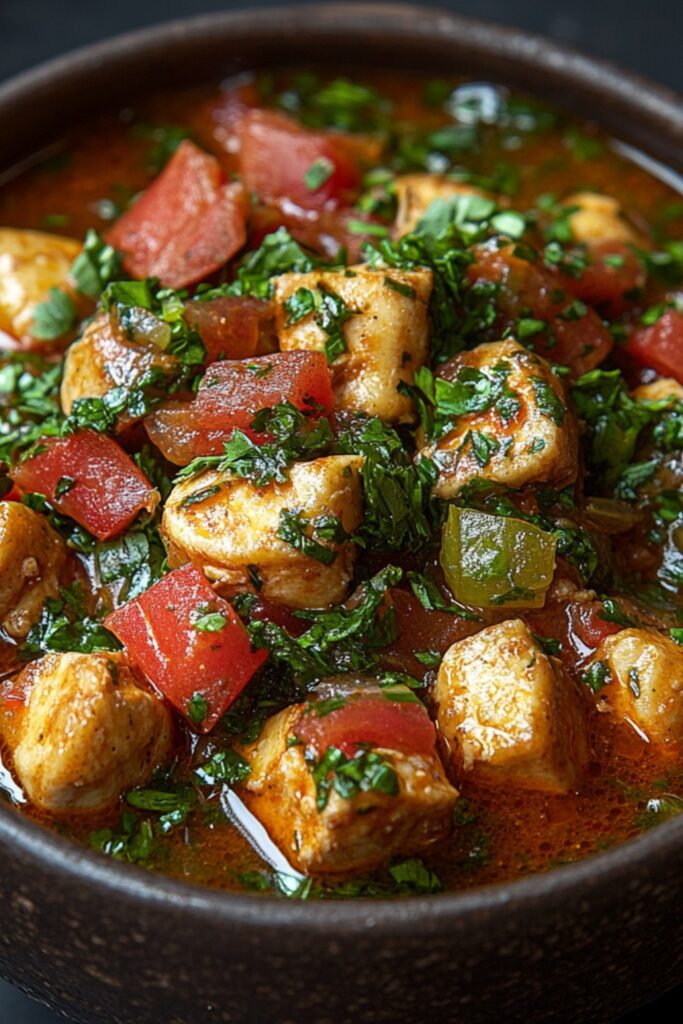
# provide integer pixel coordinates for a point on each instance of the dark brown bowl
(107, 943)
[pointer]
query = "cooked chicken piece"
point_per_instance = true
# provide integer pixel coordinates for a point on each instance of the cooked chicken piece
(386, 338)
(89, 732)
(231, 529)
(31, 262)
(526, 436)
(510, 713)
(104, 359)
(660, 390)
(599, 218)
(353, 834)
(416, 193)
(646, 688)
(32, 555)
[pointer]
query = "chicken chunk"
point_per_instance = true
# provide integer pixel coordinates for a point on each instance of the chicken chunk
(599, 218)
(32, 556)
(104, 359)
(646, 689)
(416, 192)
(385, 338)
(354, 834)
(509, 712)
(31, 262)
(660, 390)
(526, 434)
(233, 530)
(89, 732)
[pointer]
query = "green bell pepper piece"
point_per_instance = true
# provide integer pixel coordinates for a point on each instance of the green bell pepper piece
(491, 561)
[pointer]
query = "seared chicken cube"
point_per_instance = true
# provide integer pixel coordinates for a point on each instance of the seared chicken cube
(660, 390)
(89, 732)
(525, 434)
(355, 832)
(510, 713)
(645, 683)
(599, 218)
(416, 193)
(31, 263)
(104, 359)
(32, 556)
(384, 336)
(235, 531)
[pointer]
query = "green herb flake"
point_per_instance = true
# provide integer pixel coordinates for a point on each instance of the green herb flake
(318, 173)
(597, 676)
(197, 708)
(55, 317)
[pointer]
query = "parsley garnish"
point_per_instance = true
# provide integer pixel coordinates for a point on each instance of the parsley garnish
(293, 437)
(367, 771)
(55, 317)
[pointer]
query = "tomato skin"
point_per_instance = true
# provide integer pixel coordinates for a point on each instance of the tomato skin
(109, 489)
(276, 153)
(230, 326)
(529, 289)
(661, 345)
(181, 661)
(186, 225)
(579, 627)
(230, 395)
(604, 286)
(370, 718)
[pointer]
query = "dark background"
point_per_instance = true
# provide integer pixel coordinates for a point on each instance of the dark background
(646, 36)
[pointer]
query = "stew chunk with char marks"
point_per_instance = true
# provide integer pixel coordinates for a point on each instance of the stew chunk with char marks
(350, 805)
(504, 418)
(244, 535)
(645, 683)
(32, 263)
(32, 555)
(509, 712)
(371, 323)
(89, 732)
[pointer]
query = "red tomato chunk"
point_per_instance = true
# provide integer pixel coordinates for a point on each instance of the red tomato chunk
(89, 477)
(660, 346)
(230, 395)
(373, 719)
(613, 275)
(580, 342)
(190, 643)
(230, 327)
(186, 225)
(281, 160)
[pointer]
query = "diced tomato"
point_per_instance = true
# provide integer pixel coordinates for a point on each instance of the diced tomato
(186, 225)
(530, 290)
(14, 494)
(577, 625)
(230, 327)
(661, 345)
(325, 232)
(230, 395)
(279, 160)
(419, 629)
(280, 614)
(604, 285)
(190, 643)
(370, 718)
(89, 477)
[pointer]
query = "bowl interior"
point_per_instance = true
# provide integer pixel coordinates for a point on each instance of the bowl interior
(36, 106)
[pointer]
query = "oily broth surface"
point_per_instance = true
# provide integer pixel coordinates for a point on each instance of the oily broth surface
(501, 833)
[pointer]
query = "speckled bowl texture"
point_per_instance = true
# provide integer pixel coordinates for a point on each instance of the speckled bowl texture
(109, 944)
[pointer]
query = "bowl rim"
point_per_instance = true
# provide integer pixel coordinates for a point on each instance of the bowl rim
(417, 913)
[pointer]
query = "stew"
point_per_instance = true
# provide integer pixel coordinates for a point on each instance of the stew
(341, 441)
